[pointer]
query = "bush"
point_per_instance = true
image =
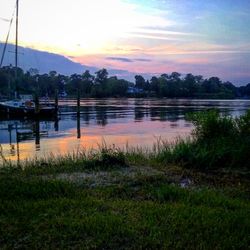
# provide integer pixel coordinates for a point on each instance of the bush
(211, 125)
(106, 158)
(243, 124)
(218, 141)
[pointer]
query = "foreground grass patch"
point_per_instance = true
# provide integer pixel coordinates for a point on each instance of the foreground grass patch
(148, 214)
(104, 158)
(141, 209)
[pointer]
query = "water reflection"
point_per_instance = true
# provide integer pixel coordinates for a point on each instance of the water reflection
(132, 121)
(37, 134)
(78, 126)
(17, 145)
(101, 113)
(56, 125)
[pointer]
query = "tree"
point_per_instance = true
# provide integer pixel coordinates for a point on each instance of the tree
(87, 82)
(175, 76)
(101, 76)
(190, 87)
(140, 82)
(33, 71)
(52, 74)
(212, 85)
(173, 85)
(116, 87)
(76, 80)
(87, 77)
(154, 84)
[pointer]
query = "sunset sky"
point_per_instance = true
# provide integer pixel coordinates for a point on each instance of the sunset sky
(211, 37)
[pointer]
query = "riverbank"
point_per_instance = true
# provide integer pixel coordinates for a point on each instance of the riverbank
(194, 194)
(124, 207)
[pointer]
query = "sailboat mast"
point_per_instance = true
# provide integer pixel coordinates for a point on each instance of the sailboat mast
(17, 9)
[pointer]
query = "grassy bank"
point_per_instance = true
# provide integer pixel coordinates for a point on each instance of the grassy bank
(143, 213)
(194, 194)
(217, 142)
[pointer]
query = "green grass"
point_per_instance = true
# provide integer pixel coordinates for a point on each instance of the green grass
(217, 142)
(104, 158)
(38, 211)
(145, 214)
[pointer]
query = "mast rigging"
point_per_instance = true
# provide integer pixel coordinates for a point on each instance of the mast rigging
(17, 10)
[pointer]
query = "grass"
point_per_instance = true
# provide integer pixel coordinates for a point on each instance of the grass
(145, 214)
(217, 142)
(95, 160)
(38, 210)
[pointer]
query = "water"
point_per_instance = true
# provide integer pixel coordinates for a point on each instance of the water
(120, 122)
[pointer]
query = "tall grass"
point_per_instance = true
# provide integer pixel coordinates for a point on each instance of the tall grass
(217, 141)
(104, 158)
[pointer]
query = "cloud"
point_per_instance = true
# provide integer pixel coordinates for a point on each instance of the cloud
(142, 60)
(128, 60)
(121, 59)
(195, 48)
(163, 31)
(155, 37)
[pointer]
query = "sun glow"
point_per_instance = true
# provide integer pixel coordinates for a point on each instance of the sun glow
(79, 26)
(134, 35)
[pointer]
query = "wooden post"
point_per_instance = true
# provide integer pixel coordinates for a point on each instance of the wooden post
(37, 133)
(37, 105)
(17, 147)
(9, 87)
(56, 102)
(78, 114)
(10, 135)
(56, 124)
(78, 103)
(78, 127)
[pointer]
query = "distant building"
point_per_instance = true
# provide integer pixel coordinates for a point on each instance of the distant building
(134, 90)
(63, 94)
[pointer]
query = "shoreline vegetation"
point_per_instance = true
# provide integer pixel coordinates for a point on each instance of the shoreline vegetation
(194, 194)
(100, 85)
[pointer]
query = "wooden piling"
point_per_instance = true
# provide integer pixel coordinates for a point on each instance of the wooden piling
(56, 124)
(78, 114)
(78, 103)
(56, 102)
(37, 105)
(37, 133)
(17, 146)
(78, 127)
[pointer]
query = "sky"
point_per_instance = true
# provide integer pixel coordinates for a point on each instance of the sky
(210, 38)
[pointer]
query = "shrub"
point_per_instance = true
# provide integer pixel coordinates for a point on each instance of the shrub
(211, 125)
(243, 123)
(218, 141)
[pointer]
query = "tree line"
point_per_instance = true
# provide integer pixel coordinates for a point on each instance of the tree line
(101, 85)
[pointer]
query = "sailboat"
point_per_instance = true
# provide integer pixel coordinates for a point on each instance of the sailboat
(24, 105)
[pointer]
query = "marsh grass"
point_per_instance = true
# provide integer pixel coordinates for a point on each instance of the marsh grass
(217, 142)
(104, 158)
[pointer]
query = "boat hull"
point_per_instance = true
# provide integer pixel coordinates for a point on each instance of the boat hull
(23, 112)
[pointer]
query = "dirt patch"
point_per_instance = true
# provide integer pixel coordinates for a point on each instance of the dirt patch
(106, 178)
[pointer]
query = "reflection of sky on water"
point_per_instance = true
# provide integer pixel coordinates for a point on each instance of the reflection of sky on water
(127, 121)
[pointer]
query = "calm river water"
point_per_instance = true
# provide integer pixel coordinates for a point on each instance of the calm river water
(133, 122)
